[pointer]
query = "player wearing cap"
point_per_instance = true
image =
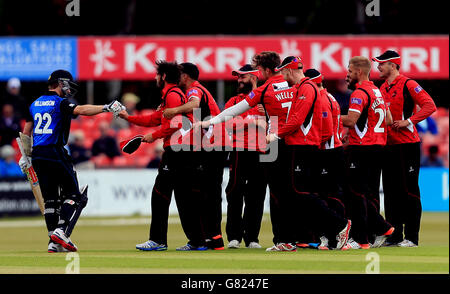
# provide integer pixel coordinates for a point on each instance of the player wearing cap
(331, 172)
(212, 158)
(49, 123)
(247, 175)
(367, 120)
(331, 158)
(402, 154)
(302, 132)
(276, 96)
(175, 174)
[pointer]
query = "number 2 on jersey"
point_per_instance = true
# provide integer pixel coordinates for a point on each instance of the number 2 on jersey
(40, 118)
(382, 114)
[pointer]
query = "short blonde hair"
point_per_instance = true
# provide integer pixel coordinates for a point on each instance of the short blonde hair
(361, 62)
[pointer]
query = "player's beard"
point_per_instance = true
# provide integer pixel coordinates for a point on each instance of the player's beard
(351, 84)
(245, 88)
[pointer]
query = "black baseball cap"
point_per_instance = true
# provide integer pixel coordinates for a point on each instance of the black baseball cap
(314, 75)
(246, 69)
(60, 74)
(389, 55)
(290, 62)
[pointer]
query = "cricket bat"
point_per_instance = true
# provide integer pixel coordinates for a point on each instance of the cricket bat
(31, 175)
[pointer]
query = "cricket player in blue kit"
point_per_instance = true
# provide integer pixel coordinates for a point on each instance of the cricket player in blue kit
(49, 126)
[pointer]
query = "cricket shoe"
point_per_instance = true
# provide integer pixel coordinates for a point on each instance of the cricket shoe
(55, 247)
(60, 237)
(342, 237)
(380, 240)
(323, 243)
(406, 243)
(352, 244)
(254, 245)
(283, 247)
(216, 243)
(151, 246)
(234, 244)
(189, 247)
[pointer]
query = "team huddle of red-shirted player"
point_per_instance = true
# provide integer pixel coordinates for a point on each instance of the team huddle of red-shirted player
(290, 135)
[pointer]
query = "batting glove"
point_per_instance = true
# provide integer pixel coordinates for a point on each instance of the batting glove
(25, 163)
(115, 107)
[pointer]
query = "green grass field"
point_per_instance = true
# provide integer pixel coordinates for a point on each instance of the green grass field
(107, 245)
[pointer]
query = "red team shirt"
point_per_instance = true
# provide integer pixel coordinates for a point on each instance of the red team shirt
(216, 135)
(240, 136)
(304, 124)
(370, 129)
(276, 97)
(327, 119)
(337, 126)
(172, 96)
(402, 97)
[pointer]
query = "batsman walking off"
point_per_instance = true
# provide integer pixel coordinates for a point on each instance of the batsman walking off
(49, 123)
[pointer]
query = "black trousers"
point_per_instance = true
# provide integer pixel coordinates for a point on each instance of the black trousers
(178, 172)
(313, 216)
(213, 163)
(403, 208)
(58, 182)
(362, 172)
(331, 173)
(247, 184)
(280, 197)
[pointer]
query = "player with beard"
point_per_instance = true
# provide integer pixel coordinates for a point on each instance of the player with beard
(211, 154)
(367, 120)
(402, 153)
(175, 172)
(331, 173)
(247, 175)
(303, 135)
(277, 95)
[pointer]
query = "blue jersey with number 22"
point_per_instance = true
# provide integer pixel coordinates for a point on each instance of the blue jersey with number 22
(51, 120)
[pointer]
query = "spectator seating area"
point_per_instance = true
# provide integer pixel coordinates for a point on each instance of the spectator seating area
(441, 117)
(89, 127)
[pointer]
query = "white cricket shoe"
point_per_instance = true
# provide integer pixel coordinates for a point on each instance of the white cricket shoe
(55, 247)
(381, 240)
(342, 237)
(234, 244)
(323, 243)
(406, 243)
(60, 237)
(151, 246)
(351, 244)
(282, 247)
(254, 245)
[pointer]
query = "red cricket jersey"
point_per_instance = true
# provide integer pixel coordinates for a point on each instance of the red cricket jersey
(337, 126)
(172, 96)
(304, 124)
(402, 97)
(370, 129)
(276, 97)
(327, 118)
(239, 127)
(216, 136)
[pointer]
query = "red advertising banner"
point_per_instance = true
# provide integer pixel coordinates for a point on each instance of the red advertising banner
(133, 58)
